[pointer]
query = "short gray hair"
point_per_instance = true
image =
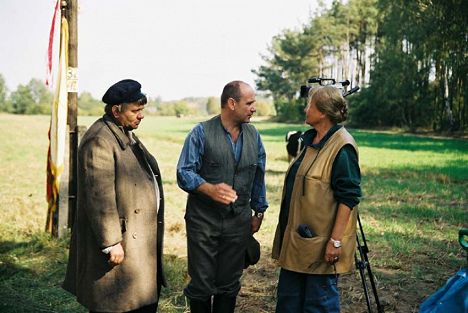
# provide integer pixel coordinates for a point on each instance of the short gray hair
(329, 100)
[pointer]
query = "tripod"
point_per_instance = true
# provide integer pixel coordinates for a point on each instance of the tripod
(363, 263)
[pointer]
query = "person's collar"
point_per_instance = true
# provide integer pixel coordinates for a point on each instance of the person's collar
(118, 131)
(130, 137)
(241, 126)
(309, 136)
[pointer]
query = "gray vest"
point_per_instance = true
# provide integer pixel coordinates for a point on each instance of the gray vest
(219, 166)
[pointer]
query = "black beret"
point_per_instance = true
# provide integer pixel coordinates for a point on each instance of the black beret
(127, 90)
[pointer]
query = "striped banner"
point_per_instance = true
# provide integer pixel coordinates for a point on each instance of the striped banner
(57, 132)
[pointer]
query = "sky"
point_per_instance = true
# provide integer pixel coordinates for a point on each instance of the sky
(174, 48)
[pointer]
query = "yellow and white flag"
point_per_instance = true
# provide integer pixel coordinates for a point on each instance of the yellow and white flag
(57, 131)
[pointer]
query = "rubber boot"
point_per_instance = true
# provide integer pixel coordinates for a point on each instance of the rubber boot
(224, 304)
(199, 306)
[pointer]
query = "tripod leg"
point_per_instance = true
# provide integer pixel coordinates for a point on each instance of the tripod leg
(380, 308)
(364, 249)
(360, 266)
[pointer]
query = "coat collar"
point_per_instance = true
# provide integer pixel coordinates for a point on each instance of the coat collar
(309, 136)
(118, 132)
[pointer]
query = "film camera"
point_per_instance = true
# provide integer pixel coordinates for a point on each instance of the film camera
(327, 82)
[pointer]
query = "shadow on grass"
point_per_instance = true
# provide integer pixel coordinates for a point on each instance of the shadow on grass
(13, 291)
(9, 246)
(407, 142)
(451, 171)
(366, 138)
(31, 274)
(8, 259)
(278, 130)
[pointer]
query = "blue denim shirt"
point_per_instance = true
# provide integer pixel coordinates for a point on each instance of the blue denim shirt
(190, 162)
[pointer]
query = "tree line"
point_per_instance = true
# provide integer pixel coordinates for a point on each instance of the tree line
(36, 98)
(410, 58)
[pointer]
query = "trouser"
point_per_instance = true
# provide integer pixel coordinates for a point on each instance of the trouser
(221, 304)
(216, 251)
(152, 308)
(299, 292)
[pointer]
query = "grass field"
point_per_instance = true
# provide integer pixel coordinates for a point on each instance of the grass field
(414, 203)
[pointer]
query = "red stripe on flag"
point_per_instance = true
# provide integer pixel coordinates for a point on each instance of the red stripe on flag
(51, 43)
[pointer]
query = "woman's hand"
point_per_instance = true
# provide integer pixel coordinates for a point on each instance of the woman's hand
(332, 254)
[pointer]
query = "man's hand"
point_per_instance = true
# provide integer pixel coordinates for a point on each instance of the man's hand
(256, 223)
(116, 255)
(220, 192)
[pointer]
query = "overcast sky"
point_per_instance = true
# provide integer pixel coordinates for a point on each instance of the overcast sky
(174, 48)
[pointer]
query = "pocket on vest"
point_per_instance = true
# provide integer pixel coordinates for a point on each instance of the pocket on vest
(243, 198)
(302, 253)
(212, 170)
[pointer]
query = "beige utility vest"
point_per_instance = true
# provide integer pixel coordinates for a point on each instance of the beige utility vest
(313, 204)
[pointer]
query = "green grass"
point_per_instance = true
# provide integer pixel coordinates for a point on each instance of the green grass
(414, 203)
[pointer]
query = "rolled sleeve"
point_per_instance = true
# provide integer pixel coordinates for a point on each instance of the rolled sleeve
(258, 201)
(190, 160)
(346, 177)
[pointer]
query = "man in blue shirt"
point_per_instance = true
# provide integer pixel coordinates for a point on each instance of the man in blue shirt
(222, 168)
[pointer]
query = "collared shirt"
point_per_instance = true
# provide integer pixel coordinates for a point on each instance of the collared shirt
(140, 157)
(190, 163)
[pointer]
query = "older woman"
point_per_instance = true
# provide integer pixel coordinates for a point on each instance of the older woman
(315, 238)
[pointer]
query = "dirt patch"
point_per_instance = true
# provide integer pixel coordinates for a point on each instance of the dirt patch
(397, 292)
(398, 288)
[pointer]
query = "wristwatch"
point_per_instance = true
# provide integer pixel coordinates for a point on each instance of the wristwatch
(336, 243)
(259, 215)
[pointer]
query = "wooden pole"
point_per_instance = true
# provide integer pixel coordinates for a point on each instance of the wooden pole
(61, 230)
(71, 14)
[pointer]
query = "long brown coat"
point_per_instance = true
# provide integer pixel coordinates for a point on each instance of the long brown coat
(116, 203)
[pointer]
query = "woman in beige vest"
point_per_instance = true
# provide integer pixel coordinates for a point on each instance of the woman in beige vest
(315, 237)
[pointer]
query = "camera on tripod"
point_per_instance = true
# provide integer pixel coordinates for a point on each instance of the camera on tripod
(304, 93)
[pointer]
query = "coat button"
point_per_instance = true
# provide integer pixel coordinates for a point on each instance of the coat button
(137, 211)
(134, 236)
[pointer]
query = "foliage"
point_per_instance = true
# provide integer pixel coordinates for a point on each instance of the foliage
(5, 106)
(213, 106)
(410, 59)
(181, 109)
(264, 107)
(413, 205)
(291, 112)
(402, 89)
(287, 66)
(167, 109)
(191, 106)
(34, 98)
(87, 105)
